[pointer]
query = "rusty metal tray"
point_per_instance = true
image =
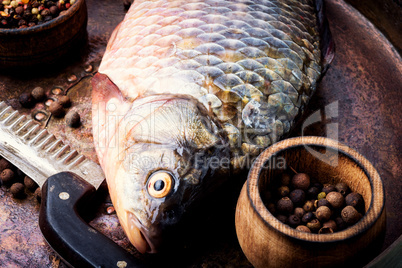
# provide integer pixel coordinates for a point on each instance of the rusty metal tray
(364, 82)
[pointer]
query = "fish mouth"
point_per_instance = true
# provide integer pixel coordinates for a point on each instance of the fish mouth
(137, 235)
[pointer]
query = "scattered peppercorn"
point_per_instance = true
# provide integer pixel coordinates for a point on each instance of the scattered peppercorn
(308, 206)
(7, 176)
(309, 216)
(342, 188)
(331, 224)
(355, 200)
(301, 181)
(297, 196)
(38, 94)
(56, 109)
(293, 220)
(17, 190)
(322, 202)
(314, 225)
(299, 212)
(312, 192)
(323, 213)
(73, 120)
(30, 184)
(336, 199)
(283, 191)
(340, 223)
(26, 100)
(284, 205)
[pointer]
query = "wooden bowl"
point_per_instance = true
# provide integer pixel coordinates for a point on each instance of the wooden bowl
(45, 43)
(267, 242)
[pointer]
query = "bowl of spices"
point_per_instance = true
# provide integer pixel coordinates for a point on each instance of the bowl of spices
(310, 202)
(38, 32)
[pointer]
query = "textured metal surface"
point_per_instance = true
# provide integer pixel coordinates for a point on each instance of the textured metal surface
(38, 153)
(364, 78)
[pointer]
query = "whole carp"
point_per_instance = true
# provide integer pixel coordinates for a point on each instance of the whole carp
(189, 91)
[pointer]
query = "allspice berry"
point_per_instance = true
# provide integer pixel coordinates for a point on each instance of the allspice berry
(271, 208)
(297, 196)
(26, 100)
(56, 109)
(308, 206)
(336, 199)
(293, 220)
(299, 212)
(309, 216)
(303, 228)
(283, 191)
(322, 202)
(4, 164)
(323, 213)
(350, 215)
(312, 192)
(17, 190)
(284, 205)
(331, 224)
(355, 200)
(30, 184)
(327, 188)
(340, 223)
(342, 188)
(314, 225)
(282, 218)
(73, 120)
(301, 181)
(7, 176)
(38, 93)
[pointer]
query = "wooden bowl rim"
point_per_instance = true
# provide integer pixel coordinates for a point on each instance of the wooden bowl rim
(371, 216)
(47, 25)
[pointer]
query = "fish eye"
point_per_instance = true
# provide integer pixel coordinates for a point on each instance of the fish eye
(160, 184)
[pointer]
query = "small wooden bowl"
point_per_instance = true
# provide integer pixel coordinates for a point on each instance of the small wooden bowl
(267, 242)
(45, 43)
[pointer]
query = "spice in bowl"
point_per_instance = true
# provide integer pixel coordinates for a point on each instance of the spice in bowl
(28, 13)
(313, 207)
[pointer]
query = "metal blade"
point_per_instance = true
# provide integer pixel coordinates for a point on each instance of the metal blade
(39, 154)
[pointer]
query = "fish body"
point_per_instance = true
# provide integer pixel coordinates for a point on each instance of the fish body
(188, 91)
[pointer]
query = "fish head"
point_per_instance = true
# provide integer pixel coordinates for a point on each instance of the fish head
(171, 154)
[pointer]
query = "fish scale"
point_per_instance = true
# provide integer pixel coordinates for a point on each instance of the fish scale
(194, 82)
(272, 48)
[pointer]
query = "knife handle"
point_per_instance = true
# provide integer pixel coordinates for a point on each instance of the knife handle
(68, 234)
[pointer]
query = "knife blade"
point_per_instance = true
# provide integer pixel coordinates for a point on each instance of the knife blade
(58, 169)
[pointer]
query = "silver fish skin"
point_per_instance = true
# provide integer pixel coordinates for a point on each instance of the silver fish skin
(187, 92)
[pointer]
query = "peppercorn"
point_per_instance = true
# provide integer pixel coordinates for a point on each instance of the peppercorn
(285, 179)
(65, 101)
(314, 225)
(336, 199)
(38, 194)
(56, 109)
(30, 184)
(26, 100)
(293, 220)
(17, 190)
(323, 213)
(309, 216)
(327, 188)
(54, 10)
(282, 218)
(303, 228)
(342, 188)
(350, 215)
(284, 205)
(355, 200)
(38, 93)
(271, 208)
(283, 191)
(34, 10)
(73, 120)
(301, 181)
(321, 195)
(7, 177)
(4, 164)
(308, 206)
(340, 223)
(299, 212)
(322, 202)
(312, 192)
(331, 224)
(19, 10)
(45, 13)
(297, 196)
(325, 230)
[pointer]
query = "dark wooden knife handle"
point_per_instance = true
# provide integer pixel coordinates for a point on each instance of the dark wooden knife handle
(68, 234)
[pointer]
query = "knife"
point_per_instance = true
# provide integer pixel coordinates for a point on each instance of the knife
(57, 170)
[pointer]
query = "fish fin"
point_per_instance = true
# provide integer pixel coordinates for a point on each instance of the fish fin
(108, 107)
(327, 44)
